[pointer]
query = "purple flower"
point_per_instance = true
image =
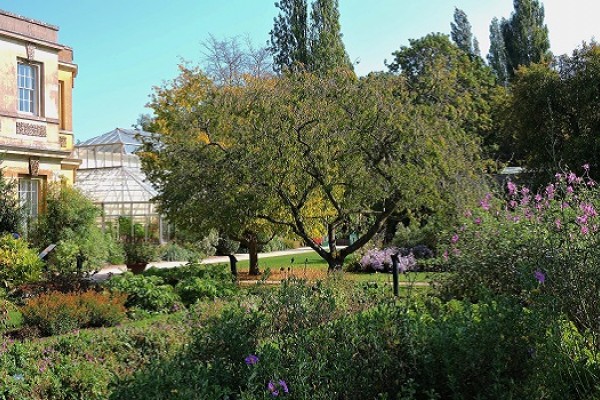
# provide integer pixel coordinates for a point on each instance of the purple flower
(584, 230)
(539, 276)
(512, 188)
(586, 167)
(454, 238)
(477, 221)
(582, 219)
(558, 223)
(283, 386)
(271, 387)
(571, 177)
(251, 359)
(538, 198)
(550, 191)
(275, 388)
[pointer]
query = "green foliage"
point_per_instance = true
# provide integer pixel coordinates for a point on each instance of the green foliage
(146, 292)
(10, 211)
(540, 250)
(176, 252)
(525, 36)
(56, 313)
(461, 32)
(303, 43)
(18, 263)
(139, 252)
(69, 221)
(550, 114)
(85, 365)
(497, 54)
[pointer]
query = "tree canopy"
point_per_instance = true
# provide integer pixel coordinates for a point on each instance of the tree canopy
(552, 114)
(311, 154)
(310, 41)
(525, 35)
(461, 33)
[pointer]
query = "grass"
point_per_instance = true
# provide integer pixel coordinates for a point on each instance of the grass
(315, 266)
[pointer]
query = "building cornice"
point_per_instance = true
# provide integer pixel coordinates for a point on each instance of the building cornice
(35, 152)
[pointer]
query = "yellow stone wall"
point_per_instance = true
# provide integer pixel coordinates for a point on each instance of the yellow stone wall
(45, 139)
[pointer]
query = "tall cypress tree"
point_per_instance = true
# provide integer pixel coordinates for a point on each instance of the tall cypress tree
(497, 54)
(327, 49)
(461, 31)
(314, 43)
(525, 35)
(289, 37)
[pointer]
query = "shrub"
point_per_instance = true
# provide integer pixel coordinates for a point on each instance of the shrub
(11, 214)
(193, 289)
(139, 252)
(176, 252)
(146, 292)
(18, 263)
(69, 221)
(55, 313)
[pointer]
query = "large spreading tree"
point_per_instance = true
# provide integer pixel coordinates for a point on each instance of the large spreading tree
(312, 154)
(10, 210)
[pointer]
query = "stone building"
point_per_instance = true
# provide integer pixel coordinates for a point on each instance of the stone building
(36, 83)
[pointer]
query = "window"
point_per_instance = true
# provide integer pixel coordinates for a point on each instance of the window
(29, 195)
(27, 83)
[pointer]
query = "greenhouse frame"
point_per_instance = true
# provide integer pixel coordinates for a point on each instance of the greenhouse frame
(111, 176)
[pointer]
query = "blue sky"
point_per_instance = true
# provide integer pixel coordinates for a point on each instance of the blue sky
(125, 47)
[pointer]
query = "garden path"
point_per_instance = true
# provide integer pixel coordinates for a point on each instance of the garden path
(106, 272)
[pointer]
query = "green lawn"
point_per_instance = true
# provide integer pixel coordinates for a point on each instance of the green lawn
(313, 261)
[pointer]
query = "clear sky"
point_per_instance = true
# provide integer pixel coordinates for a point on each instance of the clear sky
(125, 47)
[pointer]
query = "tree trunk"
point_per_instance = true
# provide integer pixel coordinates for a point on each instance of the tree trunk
(333, 261)
(253, 253)
(233, 265)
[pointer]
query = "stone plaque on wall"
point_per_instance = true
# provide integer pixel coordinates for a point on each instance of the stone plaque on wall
(63, 141)
(25, 128)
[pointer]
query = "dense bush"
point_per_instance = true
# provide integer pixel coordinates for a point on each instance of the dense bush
(84, 365)
(546, 241)
(11, 213)
(149, 293)
(192, 289)
(18, 263)
(69, 221)
(176, 252)
(56, 313)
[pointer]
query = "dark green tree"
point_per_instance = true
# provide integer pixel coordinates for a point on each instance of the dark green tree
(440, 74)
(290, 36)
(497, 54)
(461, 32)
(300, 41)
(552, 114)
(525, 35)
(10, 210)
(326, 45)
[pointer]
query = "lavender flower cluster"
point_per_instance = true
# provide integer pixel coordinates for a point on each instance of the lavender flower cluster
(380, 260)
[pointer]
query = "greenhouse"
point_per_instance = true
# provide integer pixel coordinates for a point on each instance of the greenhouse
(110, 174)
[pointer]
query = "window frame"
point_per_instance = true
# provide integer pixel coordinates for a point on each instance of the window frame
(30, 84)
(26, 198)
